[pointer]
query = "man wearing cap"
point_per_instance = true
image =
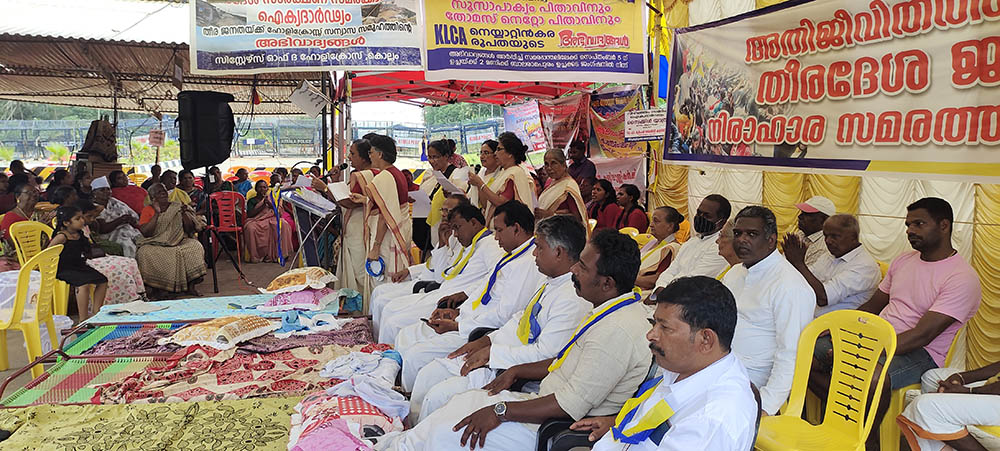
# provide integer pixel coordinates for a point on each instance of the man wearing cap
(814, 212)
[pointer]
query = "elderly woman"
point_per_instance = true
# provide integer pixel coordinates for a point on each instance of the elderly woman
(26, 198)
(562, 196)
(117, 222)
(658, 252)
(124, 279)
(168, 259)
(261, 229)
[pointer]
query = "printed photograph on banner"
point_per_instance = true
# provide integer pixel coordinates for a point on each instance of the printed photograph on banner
(255, 36)
(528, 40)
(526, 122)
(887, 86)
(607, 118)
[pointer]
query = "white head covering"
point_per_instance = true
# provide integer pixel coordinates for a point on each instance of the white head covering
(100, 182)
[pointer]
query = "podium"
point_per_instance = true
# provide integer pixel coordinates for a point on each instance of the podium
(310, 211)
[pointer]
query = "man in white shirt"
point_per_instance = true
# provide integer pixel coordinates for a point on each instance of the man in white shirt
(812, 214)
(844, 279)
(703, 400)
(503, 292)
(536, 333)
(593, 374)
(699, 255)
(774, 303)
(479, 254)
(416, 277)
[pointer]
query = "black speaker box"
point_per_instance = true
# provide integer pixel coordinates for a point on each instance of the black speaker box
(206, 127)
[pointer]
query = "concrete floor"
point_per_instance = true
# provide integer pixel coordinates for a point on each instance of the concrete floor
(260, 274)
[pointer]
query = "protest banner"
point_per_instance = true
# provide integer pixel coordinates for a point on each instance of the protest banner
(257, 36)
(607, 116)
(551, 41)
(898, 86)
(524, 120)
(565, 120)
(645, 125)
(622, 170)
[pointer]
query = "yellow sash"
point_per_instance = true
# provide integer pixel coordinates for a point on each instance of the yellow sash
(458, 267)
(524, 325)
(660, 412)
(619, 302)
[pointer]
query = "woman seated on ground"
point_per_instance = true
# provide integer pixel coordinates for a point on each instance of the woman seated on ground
(132, 195)
(562, 196)
(73, 268)
(62, 196)
(261, 229)
(124, 280)
(604, 207)
(512, 182)
(632, 214)
(658, 252)
(168, 259)
(116, 223)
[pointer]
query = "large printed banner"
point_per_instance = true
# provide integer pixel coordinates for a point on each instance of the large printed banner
(622, 170)
(255, 36)
(530, 40)
(886, 85)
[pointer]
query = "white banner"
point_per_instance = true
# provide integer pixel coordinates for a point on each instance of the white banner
(622, 170)
(645, 125)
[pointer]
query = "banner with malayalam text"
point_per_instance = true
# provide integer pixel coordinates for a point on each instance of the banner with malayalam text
(257, 36)
(888, 85)
(527, 40)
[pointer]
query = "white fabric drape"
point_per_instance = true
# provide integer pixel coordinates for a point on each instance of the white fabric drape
(741, 186)
(882, 211)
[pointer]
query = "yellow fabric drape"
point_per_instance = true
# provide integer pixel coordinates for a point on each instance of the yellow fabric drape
(669, 187)
(766, 3)
(782, 190)
(843, 190)
(983, 336)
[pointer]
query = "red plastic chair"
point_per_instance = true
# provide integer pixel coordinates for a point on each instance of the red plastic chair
(229, 207)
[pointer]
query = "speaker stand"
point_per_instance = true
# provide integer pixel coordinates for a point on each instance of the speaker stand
(214, 234)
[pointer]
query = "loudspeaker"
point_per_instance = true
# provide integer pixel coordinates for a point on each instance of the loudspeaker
(206, 127)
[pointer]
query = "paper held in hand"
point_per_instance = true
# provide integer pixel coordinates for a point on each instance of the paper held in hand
(421, 204)
(446, 184)
(339, 190)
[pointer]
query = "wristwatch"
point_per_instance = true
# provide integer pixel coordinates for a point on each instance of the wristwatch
(500, 409)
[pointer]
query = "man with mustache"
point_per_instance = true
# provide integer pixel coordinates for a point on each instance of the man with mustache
(927, 296)
(704, 387)
(699, 255)
(592, 375)
(774, 303)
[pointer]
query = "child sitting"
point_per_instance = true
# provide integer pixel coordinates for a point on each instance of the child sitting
(73, 268)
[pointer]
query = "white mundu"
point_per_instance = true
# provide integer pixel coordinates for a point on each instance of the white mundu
(933, 418)
(515, 276)
(698, 256)
(714, 409)
(408, 309)
(441, 258)
(560, 310)
(773, 304)
(596, 376)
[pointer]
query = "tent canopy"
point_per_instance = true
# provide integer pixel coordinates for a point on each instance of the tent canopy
(108, 53)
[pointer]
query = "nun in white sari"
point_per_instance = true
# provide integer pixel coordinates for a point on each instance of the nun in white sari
(387, 213)
(438, 154)
(659, 252)
(489, 172)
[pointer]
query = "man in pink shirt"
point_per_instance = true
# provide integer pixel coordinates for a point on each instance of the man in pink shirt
(927, 296)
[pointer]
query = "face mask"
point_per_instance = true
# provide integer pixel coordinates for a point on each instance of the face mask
(702, 225)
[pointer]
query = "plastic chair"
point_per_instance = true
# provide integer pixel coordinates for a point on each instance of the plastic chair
(138, 178)
(888, 431)
(642, 238)
(884, 267)
(591, 225)
(27, 237)
(630, 231)
(26, 317)
(226, 205)
(859, 338)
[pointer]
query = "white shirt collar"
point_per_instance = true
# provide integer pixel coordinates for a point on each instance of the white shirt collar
(854, 253)
(610, 301)
(526, 243)
(709, 236)
(812, 239)
(559, 280)
(682, 392)
(765, 264)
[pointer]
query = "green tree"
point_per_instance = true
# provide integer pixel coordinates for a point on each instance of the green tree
(460, 113)
(26, 111)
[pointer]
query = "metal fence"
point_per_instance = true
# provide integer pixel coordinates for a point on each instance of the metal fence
(261, 137)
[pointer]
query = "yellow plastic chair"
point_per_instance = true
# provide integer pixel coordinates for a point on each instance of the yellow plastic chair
(28, 237)
(642, 238)
(630, 231)
(27, 317)
(591, 225)
(888, 431)
(859, 338)
(884, 267)
(137, 178)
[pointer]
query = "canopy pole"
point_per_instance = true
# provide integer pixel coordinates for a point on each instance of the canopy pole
(325, 128)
